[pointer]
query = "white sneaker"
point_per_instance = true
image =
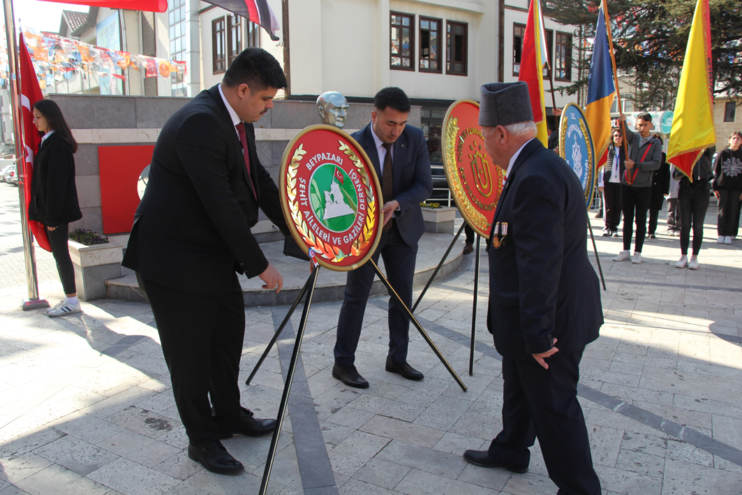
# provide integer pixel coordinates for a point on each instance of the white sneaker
(64, 308)
(693, 265)
(682, 262)
(721, 239)
(622, 256)
(728, 240)
(637, 258)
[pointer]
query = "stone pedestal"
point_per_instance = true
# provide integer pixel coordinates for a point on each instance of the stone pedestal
(93, 266)
(439, 220)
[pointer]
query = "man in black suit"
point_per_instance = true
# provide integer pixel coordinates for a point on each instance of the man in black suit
(400, 156)
(543, 293)
(192, 232)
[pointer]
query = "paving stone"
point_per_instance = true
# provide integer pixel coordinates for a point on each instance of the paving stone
(443, 413)
(380, 473)
(682, 477)
(455, 444)
(421, 483)
(494, 479)
(353, 418)
(530, 484)
(402, 431)
(355, 451)
(21, 467)
(645, 443)
(60, 481)
(628, 482)
(138, 448)
(728, 430)
(681, 451)
(639, 462)
(76, 455)
(423, 459)
(358, 487)
(133, 478)
(605, 444)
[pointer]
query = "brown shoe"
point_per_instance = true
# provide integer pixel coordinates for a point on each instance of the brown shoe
(468, 248)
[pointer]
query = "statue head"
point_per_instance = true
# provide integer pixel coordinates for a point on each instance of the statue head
(332, 108)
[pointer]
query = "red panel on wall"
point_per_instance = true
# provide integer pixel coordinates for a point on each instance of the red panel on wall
(120, 167)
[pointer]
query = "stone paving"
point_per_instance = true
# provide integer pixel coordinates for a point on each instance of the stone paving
(87, 407)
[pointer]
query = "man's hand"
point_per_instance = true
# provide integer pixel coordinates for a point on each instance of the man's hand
(629, 163)
(716, 193)
(272, 279)
(388, 210)
(557, 112)
(601, 189)
(51, 229)
(622, 118)
(543, 355)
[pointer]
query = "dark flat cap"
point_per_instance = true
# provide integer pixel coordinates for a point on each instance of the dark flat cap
(504, 104)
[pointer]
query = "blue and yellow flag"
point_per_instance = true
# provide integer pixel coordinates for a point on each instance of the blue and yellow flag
(601, 91)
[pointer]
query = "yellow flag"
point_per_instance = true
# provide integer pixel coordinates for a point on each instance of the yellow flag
(693, 120)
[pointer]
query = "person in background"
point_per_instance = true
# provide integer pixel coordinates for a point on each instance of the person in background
(694, 201)
(469, 246)
(660, 189)
(609, 182)
(54, 195)
(673, 207)
(727, 185)
(644, 157)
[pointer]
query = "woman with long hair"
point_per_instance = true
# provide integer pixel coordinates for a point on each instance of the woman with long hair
(727, 186)
(609, 183)
(54, 195)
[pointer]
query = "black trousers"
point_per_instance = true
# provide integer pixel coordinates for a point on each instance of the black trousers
(635, 203)
(654, 215)
(728, 212)
(399, 262)
(543, 403)
(612, 202)
(673, 214)
(61, 252)
(694, 201)
(469, 232)
(201, 338)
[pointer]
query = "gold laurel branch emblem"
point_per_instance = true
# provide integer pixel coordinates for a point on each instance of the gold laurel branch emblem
(368, 227)
(452, 141)
(323, 249)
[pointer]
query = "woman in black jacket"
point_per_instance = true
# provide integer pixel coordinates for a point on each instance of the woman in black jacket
(727, 186)
(54, 195)
(694, 201)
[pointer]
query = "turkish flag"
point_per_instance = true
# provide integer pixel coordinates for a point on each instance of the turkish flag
(30, 93)
(147, 5)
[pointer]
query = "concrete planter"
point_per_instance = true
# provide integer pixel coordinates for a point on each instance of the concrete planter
(439, 220)
(93, 266)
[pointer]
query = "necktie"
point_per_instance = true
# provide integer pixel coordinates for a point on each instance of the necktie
(246, 153)
(387, 181)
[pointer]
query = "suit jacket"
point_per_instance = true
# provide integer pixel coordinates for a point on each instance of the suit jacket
(192, 229)
(542, 285)
(411, 177)
(53, 190)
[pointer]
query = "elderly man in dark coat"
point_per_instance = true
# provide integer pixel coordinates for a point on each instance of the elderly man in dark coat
(544, 303)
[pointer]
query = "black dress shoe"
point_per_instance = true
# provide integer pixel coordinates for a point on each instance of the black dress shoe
(212, 455)
(249, 426)
(481, 458)
(468, 248)
(349, 376)
(403, 369)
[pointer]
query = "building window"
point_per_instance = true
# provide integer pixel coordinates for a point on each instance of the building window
(178, 44)
(456, 48)
(218, 42)
(253, 35)
(563, 57)
(519, 30)
(550, 52)
(402, 44)
(234, 38)
(730, 111)
(430, 45)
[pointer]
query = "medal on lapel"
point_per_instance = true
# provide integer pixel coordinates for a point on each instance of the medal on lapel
(500, 233)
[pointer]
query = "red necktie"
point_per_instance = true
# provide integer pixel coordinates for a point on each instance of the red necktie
(243, 139)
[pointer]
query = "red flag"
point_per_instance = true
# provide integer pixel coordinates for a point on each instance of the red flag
(147, 5)
(30, 93)
(257, 11)
(339, 175)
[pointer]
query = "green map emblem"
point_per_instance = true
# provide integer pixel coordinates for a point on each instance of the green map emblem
(333, 197)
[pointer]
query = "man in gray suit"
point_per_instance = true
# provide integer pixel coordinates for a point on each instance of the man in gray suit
(399, 154)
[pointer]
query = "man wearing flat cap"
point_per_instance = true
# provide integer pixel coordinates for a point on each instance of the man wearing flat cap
(544, 305)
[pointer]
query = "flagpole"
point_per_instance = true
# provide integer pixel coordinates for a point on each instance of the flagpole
(615, 76)
(33, 300)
